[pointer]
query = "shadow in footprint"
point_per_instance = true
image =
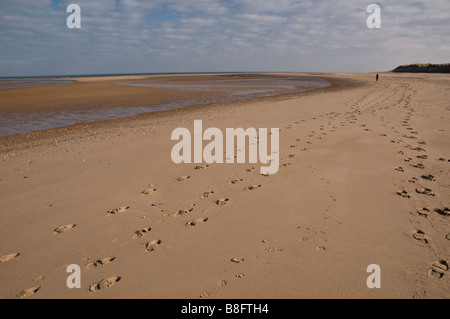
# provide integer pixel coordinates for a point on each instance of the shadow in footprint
(149, 191)
(119, 210)
(63, 229)
(420, 236)
(105, 283)
(99, 263)
(253, 187)
(28, 292)
(222, 202)
(445, 211)
(424, 212)
(425, 191)
(140, 233)
(404, 194)
(151, 246)
(238, 260)
(196, 222)
(183, 212)
(438, 269)
(6, 258)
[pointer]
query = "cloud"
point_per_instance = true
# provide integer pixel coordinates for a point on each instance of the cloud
(137, 36)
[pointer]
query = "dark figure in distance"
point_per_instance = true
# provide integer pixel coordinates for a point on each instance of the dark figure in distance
(378, 76)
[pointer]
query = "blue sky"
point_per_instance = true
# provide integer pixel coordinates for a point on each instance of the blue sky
(137, 36)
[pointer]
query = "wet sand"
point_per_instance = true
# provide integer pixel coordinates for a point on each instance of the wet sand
(104, 92)
(48, 104)
(364, 179)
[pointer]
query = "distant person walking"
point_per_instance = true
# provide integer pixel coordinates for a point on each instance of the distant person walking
(378, 77)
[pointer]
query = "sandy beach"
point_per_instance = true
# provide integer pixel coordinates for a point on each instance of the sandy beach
(364, 179)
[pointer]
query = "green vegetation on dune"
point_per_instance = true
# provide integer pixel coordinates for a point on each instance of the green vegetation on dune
(424, 68)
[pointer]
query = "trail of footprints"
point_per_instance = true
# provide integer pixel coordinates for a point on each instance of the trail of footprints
(439, 268)
(417, 162)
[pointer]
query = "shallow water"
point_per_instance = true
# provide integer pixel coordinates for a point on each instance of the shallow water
(233, 89)
(31, 83)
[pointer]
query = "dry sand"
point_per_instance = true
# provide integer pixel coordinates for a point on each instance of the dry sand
(84, 196)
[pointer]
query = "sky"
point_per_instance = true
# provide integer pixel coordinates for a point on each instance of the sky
(159, 36)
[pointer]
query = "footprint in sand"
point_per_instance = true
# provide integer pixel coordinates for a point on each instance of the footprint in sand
(236, 181)
(63, 229)
(28, 292)
(438, 269)
(99, 263)
(418, 149)
(202, 167)
(222, 202)
(183, 212)
(274, 250)
(238, 260)
(424, 212)
(419, 166)
(448, 236)
(6, 258)
(206, 194)
(413, 180)
(196, 222)
(105, 283)
(445, 211)
(425, 191)
(139, 233)
(149, 191)
(424, 157)
(404, 194)
(182, 178)
(119, 210)
(400, 169)
(252, 188)
(420, 236)
(205, 295)
(430, 178)
(151, 246)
